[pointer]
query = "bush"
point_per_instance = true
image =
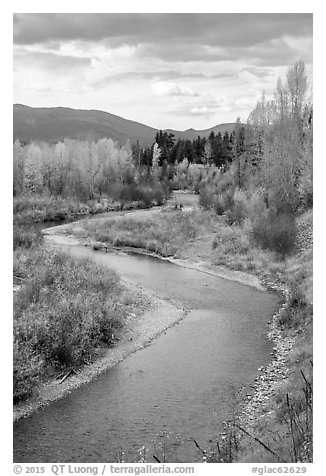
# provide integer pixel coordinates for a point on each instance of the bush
(225, 183)
(256, 205)
(25, 238)
(217, 193)
(26, 370)
(297, 311)
(63, 312)
(306, 191)
(158, 195)
(78, 325)
(276, 232)
(228, 198)
(218, 205)
(238, 210)
(144, 194)
(40, 208)
(206, 197)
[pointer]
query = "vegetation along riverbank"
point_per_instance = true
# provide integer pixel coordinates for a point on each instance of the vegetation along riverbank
(252, 222)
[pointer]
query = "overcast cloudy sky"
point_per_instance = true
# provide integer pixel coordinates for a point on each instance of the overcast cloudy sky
(165, 70)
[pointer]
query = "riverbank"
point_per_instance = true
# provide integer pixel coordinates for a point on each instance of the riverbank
(277, 399)
(35, 209)
(263, 412)
(189, 245)
(140, 329)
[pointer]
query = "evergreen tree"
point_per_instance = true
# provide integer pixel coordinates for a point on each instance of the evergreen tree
(188, 151)
(239, 148)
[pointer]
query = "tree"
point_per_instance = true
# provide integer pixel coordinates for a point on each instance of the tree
(165, 142)
(218, 155)
(283, 136)
(239, 148)
(188, 151)
(281, 100)
(177, 153)
(297, 89)
(18, 168)
(136, 153)
(199, 149)
(146, 156)
(33, 163)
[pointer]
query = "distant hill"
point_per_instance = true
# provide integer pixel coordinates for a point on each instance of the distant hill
(57, 123)
(193, 133)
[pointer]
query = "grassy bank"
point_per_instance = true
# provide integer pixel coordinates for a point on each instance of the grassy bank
(65, 313)
(42, 207)
(280, 428)
(198, 235)
(39, 209)
(153, 233)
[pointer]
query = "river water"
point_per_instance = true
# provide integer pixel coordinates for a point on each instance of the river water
(179, 388)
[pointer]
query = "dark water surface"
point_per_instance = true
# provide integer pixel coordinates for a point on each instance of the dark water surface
(167, 394)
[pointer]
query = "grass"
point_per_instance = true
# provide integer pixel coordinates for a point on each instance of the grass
(38, 208)
(34, 208)
(25, 237)
(194, 235)
(65, 311)
(152, 233)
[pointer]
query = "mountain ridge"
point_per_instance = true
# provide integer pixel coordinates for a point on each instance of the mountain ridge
(53, 124)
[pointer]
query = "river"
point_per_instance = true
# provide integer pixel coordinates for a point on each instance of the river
(179, 388)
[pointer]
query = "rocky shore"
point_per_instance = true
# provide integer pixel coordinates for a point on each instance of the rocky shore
(270, 376)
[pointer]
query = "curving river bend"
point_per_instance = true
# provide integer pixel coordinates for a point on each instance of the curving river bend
(177, 389)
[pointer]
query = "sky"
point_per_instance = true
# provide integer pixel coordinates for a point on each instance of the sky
(166, 70)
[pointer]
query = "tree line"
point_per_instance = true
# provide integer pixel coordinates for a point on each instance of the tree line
(271, 154)
(215, 150)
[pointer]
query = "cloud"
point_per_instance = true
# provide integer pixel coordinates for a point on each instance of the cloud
(196, 68)
(279, 51)
(260, 73)
(203, 110)
(134, 28)
(183, 52)
(158, 75)
(209, 106)
(165, 88)
(49, 60)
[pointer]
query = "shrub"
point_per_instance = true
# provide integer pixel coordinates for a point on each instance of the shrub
(24, 238)
(218, 195)
(256, 206)
(218, 205)
(78, 324)
(297, 311)
(238, 211)
(63, 312)
(158, 195)
(206, 197)
(225, 183)
(144, 194)
(26, 371)
(276, 232)
(306, 191)
(228, 198)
